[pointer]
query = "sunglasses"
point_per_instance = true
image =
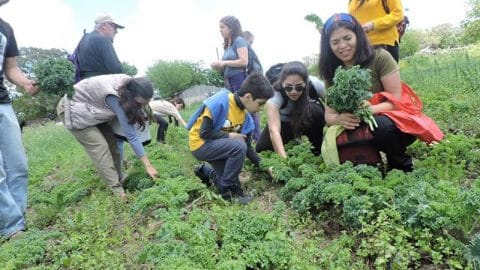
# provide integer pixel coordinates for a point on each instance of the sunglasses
(299, 88)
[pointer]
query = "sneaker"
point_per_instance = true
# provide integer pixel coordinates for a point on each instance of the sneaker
(245, 199)
(199, 172)
(239, 196)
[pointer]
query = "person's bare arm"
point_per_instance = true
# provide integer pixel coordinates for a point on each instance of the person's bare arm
(274, 126)
(17, 77)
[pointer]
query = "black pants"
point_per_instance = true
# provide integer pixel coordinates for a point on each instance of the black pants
(393, 50)
(390, 140)
(162, 127)
(313, 131)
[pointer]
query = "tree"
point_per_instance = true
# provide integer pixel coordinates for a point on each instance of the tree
(471, 25)
(446, 36)
(215, 78)
(29, 56)
(311, 62)
(171, 77)
(410, 43)
(55, 75)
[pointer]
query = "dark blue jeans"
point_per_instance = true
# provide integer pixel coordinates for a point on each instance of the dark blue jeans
(226, 157)
(233, 83)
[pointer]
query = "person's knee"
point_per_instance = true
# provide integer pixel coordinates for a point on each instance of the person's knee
(239, 147)
(385, 126)
(259, 148)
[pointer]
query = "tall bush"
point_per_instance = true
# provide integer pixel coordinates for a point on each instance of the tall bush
(170, 77)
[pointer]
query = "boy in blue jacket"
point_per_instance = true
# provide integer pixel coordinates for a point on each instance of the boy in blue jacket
(219, 132)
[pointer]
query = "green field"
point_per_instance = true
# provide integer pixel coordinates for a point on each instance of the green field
(308, 217)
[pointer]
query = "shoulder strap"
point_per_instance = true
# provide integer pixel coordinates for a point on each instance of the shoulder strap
(385, 6)
(83, 36)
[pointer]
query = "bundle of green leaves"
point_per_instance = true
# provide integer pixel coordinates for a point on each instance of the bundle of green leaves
(350, 90)
(55, 76)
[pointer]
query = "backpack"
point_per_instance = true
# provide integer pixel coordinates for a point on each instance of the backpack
(402, 25)
(73, 57)
(253, 62)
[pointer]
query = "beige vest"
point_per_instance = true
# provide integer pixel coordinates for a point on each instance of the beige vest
(87, 107)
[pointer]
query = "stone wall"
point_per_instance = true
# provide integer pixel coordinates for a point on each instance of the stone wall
(198, 93)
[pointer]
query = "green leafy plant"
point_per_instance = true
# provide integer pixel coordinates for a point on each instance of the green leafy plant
(55, 76)
(314, 18)
(349, 91)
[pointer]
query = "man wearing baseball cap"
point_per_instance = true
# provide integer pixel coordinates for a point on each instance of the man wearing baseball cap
(95, 52)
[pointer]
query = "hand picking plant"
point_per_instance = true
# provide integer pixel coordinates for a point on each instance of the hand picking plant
(349, 91)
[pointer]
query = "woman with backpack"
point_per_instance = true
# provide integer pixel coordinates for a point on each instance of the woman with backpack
(291, 113)
(236, 59)
(379, 19)
(344, 43)
(235, 56)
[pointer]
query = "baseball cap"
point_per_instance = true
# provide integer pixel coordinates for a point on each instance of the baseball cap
(107, 19)
(3, 2)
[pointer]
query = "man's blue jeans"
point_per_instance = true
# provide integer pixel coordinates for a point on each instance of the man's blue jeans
(13, 174)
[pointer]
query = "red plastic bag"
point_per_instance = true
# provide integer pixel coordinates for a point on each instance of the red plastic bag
(409, 117)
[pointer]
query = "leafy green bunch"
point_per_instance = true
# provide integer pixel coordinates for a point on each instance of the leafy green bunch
(314, 18)
(349, 91)
(55, 76)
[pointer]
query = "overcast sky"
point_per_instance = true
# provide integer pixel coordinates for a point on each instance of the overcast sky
(188, 29)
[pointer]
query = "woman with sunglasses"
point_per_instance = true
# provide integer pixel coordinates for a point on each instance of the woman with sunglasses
(97, 101)
(344, 43)
(291, 113)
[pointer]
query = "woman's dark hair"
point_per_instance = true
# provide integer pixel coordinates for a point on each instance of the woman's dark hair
(328, 61)
(301, 115)
(178, 100)
(235, 29)
(136, 87)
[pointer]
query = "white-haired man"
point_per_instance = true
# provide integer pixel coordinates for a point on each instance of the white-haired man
(95, 51)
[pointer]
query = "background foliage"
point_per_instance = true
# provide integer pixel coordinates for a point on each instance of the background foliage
(171, 77)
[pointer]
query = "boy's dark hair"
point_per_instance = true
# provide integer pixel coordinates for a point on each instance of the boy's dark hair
(328, 61)
(257, 85)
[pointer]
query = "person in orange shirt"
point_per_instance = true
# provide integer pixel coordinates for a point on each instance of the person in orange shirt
(379, 19)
